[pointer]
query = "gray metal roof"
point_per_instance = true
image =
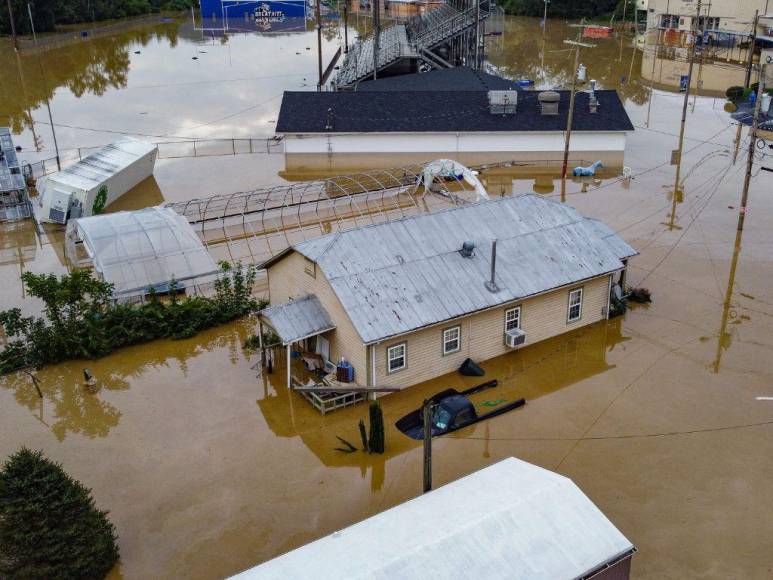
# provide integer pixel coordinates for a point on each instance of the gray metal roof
(509, 521)
(396, 277)
(11, 178)
(298, 319)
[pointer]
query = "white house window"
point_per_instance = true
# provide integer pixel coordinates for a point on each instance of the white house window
(575, 305)
(513, 318)
(452, 340)
(396, 359)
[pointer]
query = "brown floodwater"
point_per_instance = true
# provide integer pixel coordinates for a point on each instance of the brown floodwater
(208, 468)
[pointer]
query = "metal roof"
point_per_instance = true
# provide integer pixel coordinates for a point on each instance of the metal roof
(11, 178)
(396, 277)
(512, 520)
(298, 319)
(93, 170)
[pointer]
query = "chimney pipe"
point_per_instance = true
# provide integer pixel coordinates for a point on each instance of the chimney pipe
(491, 285)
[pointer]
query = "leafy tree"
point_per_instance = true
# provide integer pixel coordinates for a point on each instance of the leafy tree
(560, 8)
(49, 525)
(82, 321)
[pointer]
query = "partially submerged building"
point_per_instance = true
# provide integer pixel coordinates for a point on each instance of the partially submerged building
(87, 187)
(460, 113)
(409, 300)
(512, 520)
(14, 202)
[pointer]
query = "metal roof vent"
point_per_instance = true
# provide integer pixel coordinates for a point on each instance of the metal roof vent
(468, 249)
(548, 101)
(502, 102)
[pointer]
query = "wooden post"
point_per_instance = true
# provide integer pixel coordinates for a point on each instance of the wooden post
(260, 342)
(752, 145)
(427, 445)
(570, 117)
(289, 366)
(694, 30)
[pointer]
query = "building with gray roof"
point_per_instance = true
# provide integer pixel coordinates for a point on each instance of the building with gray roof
(412, 298)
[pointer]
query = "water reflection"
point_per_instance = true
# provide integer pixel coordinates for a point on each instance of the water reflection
(534, 372)
(91, 66)
(69, 406)
(729, 310)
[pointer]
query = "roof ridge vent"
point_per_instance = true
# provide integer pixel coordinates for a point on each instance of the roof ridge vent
(468, 249)
(549, 101)
(503, 102)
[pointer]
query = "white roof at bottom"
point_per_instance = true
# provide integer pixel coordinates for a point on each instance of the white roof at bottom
(512, 520)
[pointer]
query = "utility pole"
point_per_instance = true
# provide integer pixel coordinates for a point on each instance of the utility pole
(13, 27)
(319, 41)
(477, 34)
(752, 145)
(376, 37)
(693, 30)
(48, 101)
(545, 19)
(346, 26)
(747, 78)
(699, 82)
(427, 409)
(577, 44)
(32, 24)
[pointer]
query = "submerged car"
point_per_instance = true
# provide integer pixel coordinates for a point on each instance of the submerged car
(451, 410)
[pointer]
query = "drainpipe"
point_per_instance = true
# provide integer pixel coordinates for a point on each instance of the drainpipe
(289, 372)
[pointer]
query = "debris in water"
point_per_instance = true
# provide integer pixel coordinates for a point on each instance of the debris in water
(136, 52)
(640, 295)
(349, 447)
(470, 369)
(194, 58)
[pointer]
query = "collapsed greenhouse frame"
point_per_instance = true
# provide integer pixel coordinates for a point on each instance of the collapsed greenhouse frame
(253, 226)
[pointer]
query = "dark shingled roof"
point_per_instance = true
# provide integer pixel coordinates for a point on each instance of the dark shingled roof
(407, 111)
(460, 78)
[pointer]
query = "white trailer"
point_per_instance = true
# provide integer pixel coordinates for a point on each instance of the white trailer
(96, 181)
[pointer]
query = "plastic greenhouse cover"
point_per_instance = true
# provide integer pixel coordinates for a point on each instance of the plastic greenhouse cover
(137, 250)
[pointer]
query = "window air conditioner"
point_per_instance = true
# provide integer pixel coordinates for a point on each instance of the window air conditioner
(515, 338)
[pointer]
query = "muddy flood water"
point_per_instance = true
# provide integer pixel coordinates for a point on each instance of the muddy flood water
(208, 469)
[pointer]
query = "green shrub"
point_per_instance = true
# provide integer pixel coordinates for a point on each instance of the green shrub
(49, 525)
(81, 320)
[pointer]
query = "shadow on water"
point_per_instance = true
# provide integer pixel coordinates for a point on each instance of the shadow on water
(533, 372)
(68, 406)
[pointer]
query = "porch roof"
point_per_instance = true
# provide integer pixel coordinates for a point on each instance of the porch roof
(298, 319)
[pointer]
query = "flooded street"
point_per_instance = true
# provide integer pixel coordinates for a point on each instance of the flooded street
(207, 469)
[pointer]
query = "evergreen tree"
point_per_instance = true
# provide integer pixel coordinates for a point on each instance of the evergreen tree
(49, 525)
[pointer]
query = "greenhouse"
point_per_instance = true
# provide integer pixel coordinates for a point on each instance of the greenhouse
(139, 250)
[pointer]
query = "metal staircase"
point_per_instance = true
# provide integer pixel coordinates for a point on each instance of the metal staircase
(416, 39)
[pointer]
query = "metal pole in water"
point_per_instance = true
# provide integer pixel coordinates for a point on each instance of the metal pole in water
(376, 37)
(13, 27)
(427, 445)
(346, 26)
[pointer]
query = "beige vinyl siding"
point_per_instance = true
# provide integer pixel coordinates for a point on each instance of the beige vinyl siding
(482, 336)
(287, 280)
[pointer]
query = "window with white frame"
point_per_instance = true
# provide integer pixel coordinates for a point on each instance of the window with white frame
(513, 318)
(452, 340)
(575, 305)
(396, 359)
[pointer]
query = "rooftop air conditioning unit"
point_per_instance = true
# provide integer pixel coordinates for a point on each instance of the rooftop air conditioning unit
(503, 102)
(515, 338)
